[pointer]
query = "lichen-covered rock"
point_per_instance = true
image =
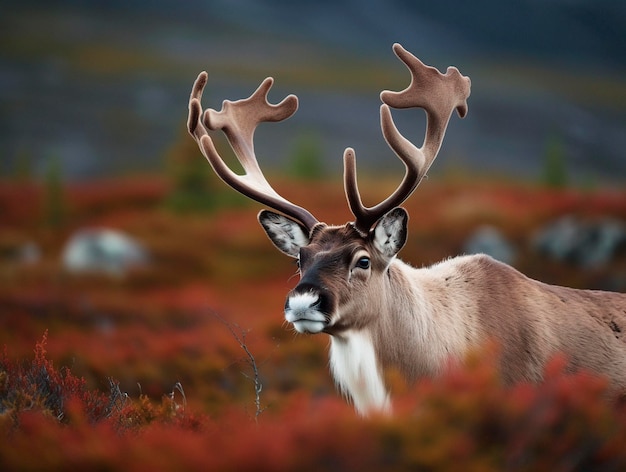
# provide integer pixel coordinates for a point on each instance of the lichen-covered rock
(103, 250)
(582, 243)
(489, 240)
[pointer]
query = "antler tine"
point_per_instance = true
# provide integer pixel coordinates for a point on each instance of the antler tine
(439, 95)
(238, 120)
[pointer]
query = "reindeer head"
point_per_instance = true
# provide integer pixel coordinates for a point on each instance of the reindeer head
(341, 267)
(338, 268)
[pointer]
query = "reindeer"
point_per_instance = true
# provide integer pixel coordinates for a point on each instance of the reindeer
(381, 313)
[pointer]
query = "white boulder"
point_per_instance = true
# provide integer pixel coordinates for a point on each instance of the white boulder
(103, 250)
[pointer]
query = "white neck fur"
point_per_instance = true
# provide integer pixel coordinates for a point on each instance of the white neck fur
(355, 369)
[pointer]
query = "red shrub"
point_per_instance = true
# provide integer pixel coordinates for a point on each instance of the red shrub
(158, 328)
(464, 419)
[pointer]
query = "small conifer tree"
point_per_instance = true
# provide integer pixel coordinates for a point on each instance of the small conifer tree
(306, 158)
(554, 171)
(54, 194)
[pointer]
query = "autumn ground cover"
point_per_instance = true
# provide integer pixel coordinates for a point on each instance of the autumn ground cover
(148, 371)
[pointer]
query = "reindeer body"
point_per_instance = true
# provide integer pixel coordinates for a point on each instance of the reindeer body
(416, 321)
(432, 316)
(383, 314)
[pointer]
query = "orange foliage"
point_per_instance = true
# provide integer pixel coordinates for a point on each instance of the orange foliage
(158, 326)
(464, 417)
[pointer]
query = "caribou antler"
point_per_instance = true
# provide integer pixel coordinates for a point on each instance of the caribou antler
(439, 95)
(239, 120)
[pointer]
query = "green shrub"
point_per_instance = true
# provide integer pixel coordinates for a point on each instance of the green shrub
(192, 179)
(306, 161)
(54, 194)
(554, 170)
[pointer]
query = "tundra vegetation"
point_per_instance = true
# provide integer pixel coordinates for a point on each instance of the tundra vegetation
(383, 315)
(137, 371)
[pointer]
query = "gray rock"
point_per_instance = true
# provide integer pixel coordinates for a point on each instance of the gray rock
(582, 243)
(103, 251)
(488, 240)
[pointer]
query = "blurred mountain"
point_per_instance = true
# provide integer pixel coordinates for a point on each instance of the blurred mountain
(571, 31)
(102, 85)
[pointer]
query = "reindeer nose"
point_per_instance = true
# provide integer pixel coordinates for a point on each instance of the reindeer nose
(306, 287)
(301, 303)
(305, 291)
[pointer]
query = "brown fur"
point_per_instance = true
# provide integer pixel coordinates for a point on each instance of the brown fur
(422, 318)
(474, 298)
(383, 314)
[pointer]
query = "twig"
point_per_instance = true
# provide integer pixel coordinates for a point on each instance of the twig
(240, 336)
(178, 386)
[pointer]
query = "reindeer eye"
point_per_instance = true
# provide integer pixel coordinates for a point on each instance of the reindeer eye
(363, 263)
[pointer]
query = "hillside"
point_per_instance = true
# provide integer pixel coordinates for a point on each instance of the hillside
(105, 84)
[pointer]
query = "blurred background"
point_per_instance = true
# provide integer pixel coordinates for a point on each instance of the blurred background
(117, 239)
(100, 87)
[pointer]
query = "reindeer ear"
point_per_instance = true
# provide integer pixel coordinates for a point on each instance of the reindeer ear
(389, 234)
(287, 235)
